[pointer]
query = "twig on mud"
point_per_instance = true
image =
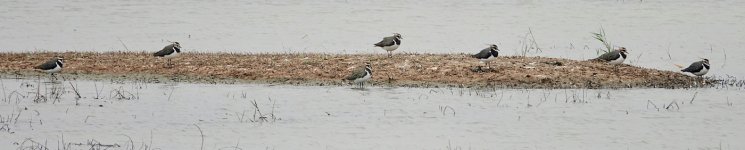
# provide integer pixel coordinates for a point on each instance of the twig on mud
(169, 95)
(125, 45)
(529, 43)
(122, 94)
(257, 110)
(655, 106)
(131, 142)
(6, 98)
(671, 104)
(39, 97)
(444, 109)
(201, 135)
(725, 58)
(669, 57)
(33, 145)
(98, 92)
(74, 89)
(693, 98)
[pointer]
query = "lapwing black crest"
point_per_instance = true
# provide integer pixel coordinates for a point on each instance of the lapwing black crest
(361, 75)
(487, 55)
(614, 57)
(52, 66)
(390, 43)
(168, 52)
(698, 68)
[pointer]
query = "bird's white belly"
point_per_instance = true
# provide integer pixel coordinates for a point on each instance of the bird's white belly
(617, 61)
(363, 79)
(702, 72)
(491, 58)
(54, 70)
(174, 54)
(390, 48)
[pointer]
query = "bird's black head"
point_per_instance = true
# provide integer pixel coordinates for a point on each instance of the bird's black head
(494, 47)
(177, 45)
(60, 58)
(623, 50)
(706, 61)
(368, 66)
(396, 35)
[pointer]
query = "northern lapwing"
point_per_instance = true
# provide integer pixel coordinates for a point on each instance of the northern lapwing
(361, 75)
(487, 55)
(614, 57)
(698, 68)
(390, 43)
(52, 66)
(168, 52)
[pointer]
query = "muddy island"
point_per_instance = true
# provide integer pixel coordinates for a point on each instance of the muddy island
(402, 70)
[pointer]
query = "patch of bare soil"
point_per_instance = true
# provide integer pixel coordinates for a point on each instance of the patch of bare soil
(408, 70)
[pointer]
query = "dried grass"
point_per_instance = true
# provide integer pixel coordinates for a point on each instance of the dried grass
(411, 70)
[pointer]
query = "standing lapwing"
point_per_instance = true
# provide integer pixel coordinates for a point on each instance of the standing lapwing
(390, 43)
(487, 55)
(614, 57)
(168, 52)
(360, 75)
(52, 66)
(698, 68)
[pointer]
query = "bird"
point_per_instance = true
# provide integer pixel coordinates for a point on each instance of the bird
(487, 55)
(614, 57)
(698, 68)
(52, 66)
(390, 43)
(361, 75)
(168, 52)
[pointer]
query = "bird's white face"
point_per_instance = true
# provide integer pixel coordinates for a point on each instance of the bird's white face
(706, 61)
(398, 36)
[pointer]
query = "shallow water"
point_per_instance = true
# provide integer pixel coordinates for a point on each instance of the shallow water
(657, 33)
(170, 115)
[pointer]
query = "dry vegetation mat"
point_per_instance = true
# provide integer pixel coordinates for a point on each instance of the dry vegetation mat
(405, 70)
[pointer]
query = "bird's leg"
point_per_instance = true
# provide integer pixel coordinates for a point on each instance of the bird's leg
(390, 54)
(702, 80)
(168, 63)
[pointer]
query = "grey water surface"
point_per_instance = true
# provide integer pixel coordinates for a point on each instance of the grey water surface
(36, 113)
(658, 33)
(171, 115)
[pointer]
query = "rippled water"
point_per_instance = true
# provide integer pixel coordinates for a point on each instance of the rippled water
(169, 116)
(657, 33)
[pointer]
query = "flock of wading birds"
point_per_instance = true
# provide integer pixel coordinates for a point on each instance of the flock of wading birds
(361, 75)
